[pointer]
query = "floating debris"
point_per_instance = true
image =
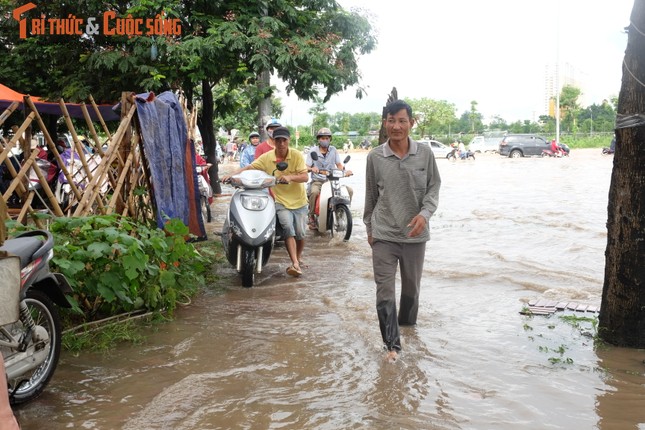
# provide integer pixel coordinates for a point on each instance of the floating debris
(548, 307)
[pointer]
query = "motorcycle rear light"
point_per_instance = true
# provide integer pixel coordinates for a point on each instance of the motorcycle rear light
(255, 203)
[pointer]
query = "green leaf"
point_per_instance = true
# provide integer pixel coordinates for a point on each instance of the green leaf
(98, 249)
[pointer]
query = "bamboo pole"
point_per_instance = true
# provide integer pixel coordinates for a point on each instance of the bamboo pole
(100, 117)
(113, 150)
(20, 175)
(8, 111)
(79, 147)
(25, 208)
(17, 136)
(43, 182)
(97, 145)
(12, 170)
(90, 126)
(105, 129)
(52, 148)
(88, 199)
(120, 182)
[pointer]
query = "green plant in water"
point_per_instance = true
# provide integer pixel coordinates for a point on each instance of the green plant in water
(104, 339)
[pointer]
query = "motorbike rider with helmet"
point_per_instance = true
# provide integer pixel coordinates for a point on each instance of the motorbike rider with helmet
(248, 155)
(328, 158)
(269, 144)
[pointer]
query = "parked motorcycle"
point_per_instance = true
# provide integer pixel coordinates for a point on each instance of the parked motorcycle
(30, 340)
(249, 231)
(332, 204)
(205, 191)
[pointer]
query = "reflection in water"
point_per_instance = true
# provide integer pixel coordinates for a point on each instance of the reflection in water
(306, 353)
(619, 405)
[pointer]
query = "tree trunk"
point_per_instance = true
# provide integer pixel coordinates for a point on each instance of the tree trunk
(205, 124)
(264, 108)
(622, 315)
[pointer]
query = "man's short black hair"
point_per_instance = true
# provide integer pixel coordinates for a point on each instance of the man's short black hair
(394, 106)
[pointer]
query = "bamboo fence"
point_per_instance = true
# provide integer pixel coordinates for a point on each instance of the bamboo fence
(112, 177)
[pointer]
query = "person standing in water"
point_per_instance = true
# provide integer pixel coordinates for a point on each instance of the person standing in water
(401, 194)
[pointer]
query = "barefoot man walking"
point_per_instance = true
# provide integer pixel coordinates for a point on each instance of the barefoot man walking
(401, 194)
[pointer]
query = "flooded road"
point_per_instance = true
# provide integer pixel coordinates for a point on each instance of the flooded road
(306, 353)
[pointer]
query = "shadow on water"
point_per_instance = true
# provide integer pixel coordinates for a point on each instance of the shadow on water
(306, 353)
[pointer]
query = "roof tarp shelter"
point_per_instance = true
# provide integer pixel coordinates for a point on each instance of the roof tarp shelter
(8, 96)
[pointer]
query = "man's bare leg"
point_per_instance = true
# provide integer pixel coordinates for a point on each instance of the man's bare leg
(300, 246)
(290, 243)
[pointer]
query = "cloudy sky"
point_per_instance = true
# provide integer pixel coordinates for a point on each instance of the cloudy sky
(495, 52)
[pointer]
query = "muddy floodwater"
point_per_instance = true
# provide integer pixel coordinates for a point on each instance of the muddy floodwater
(306, 353)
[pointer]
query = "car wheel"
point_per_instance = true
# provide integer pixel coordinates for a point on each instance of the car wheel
(516, 153)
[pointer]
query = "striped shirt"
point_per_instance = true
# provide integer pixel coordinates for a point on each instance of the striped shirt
(398, 189)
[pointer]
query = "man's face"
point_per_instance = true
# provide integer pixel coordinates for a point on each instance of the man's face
(281, 143)
(398, 126)
(270, 131)
(255, 140)
(323, 141)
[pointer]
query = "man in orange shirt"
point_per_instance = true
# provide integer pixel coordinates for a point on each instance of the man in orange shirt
(269, 144)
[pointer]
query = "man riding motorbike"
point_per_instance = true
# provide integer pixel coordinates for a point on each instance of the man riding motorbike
(328, 158)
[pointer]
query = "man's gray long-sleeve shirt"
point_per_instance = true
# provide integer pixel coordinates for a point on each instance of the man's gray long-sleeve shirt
(398, 189)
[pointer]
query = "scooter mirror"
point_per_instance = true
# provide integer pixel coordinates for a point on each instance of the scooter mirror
(282, 166)
(346, 159)
(314, 155)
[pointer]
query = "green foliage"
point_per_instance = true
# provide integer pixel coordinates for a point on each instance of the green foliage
(103, 338)
(433, 116)
(116, 265)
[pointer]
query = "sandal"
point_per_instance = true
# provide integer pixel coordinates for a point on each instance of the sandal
(291, 270)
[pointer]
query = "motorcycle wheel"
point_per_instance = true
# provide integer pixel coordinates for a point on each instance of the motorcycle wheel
(342, 222)
(248, 267)
(44, 314)
(206, 209)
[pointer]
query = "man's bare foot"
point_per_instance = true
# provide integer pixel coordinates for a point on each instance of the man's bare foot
(391, 356)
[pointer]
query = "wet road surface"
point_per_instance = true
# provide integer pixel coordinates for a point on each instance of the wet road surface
(306, 353)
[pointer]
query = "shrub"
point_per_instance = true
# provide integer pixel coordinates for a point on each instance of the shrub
(115, 264)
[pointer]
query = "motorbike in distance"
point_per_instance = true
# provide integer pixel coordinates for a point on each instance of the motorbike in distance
(331, 210)
(563, 152)
(30, 341)
(250, 227)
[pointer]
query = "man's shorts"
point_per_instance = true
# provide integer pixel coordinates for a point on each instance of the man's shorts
(293, 221)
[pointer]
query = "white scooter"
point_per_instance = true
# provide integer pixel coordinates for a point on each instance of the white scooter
(249, 230)
(332, 205)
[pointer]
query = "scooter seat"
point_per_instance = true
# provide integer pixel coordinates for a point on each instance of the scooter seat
(24, 247)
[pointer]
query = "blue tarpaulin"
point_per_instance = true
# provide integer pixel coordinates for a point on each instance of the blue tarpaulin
(171, 160)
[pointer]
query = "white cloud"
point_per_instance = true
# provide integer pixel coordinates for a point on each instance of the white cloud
(494, 52)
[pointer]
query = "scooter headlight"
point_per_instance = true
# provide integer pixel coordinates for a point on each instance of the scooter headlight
(254, 203)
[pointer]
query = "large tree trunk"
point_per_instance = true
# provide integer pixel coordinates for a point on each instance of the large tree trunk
(205, 124)
(622, 315)
(264, 108)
